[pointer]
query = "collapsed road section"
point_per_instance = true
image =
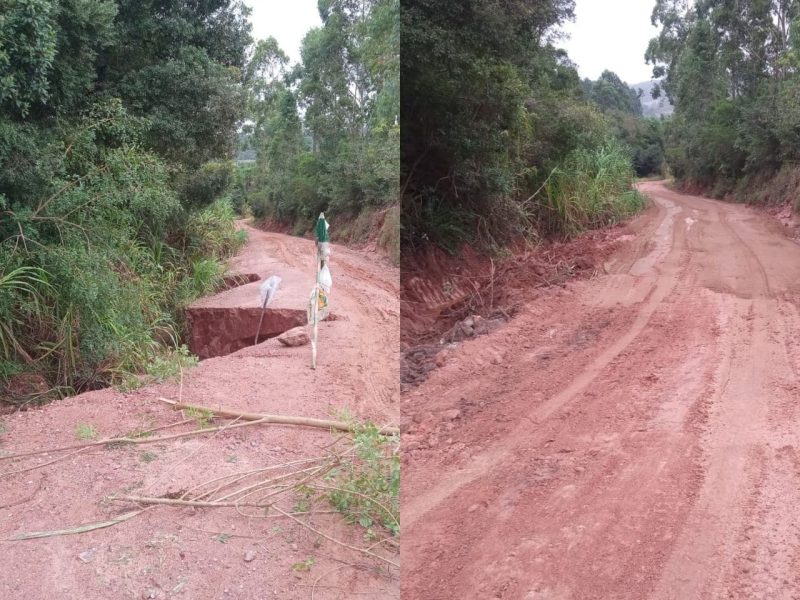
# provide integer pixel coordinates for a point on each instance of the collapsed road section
(80, 511)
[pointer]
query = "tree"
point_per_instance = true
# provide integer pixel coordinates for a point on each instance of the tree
(610, 93)
(108, 110)
(342, 156)
(730, 69)
(490, 109)
(29, 40)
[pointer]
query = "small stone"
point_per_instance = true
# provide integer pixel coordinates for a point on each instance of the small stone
(295, 337)
(480, 326)
(86, 556)
(451, 415)
(294, 547)
(147, 594)
(249, 556)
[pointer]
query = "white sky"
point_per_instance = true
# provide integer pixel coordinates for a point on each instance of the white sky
(611, 34)
(287, 22)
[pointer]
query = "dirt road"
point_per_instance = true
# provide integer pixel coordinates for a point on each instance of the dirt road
(635, 435)
(173, 552)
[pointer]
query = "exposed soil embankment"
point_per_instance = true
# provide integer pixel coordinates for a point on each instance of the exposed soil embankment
(220, 331)
(372, 231)
(449, 299)
(777, 193)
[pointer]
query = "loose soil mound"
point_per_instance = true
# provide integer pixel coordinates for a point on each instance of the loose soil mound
(442, 293)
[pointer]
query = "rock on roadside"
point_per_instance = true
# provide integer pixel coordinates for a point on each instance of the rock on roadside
(298, 336)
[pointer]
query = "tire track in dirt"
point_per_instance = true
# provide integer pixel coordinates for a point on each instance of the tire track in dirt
(768, 541)
(728, 450)
(528, 498)
(660, 288)
(750, 252)
(665, 467)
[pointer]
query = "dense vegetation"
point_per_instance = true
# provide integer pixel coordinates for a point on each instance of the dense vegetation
(111, 209)
(644, 137)
(732, 69)
(326, 132)
(498, 137)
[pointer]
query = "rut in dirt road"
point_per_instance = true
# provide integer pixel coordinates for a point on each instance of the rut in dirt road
(634, 436)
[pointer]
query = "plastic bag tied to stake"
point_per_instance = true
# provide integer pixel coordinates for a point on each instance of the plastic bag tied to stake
(318, 305)
(268, 290)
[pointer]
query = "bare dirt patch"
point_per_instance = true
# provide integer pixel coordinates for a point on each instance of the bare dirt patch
(447, 300)
(220, 331)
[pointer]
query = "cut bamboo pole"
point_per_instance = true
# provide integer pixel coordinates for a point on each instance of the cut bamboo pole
(276, 419)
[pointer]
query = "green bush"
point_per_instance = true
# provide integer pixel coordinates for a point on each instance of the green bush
(212, 232)
(95, 268)
(211, 181)
(109, 148)
(593, 188)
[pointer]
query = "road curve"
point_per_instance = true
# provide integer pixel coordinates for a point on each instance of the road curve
(633, 436)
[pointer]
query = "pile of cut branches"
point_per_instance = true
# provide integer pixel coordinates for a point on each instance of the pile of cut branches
(358, 475)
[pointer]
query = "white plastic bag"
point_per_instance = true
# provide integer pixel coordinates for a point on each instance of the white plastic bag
(269, 288)
(325, 279)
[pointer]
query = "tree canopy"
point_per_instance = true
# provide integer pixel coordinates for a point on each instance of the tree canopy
(117, 118)
(326, 131)
(490, 110)
(732, 70)
(610, 94)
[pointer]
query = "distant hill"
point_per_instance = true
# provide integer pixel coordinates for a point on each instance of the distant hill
(650, 107)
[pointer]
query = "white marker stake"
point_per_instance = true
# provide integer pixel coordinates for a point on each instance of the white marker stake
(314, 325)
(322, 253)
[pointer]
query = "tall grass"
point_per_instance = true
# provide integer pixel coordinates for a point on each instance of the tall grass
(21, 297)
(592, 188)
(105, 308)
(212, 232)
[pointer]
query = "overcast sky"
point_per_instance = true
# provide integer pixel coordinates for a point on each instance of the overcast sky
(287, 22)
(611, 35)
(605, 34)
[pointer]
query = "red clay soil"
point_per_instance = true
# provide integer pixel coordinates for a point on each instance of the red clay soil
(440, 292)
(634, 435)
(195, 553)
